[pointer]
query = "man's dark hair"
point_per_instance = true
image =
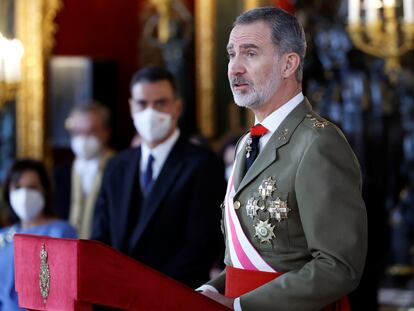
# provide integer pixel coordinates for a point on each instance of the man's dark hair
(287, 33)
(154, 74)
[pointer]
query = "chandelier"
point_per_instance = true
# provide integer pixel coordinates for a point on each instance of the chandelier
(11, 52)
(383, 28)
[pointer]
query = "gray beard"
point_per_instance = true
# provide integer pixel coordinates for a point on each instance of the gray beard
(250, 100)
(256, 98)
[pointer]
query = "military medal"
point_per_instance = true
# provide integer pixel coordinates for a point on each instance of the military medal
(253, 206)
(264, 231)
(267, 187)
(249, 147)
(278, 209)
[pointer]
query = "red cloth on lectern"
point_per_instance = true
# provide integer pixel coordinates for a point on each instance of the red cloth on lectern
(240, 281)
(84, 273)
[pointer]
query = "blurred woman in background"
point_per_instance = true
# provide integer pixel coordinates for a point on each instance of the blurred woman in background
(27, 191)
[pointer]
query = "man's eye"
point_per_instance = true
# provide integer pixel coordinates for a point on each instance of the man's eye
(230, 55)
(140, 105)
(250, 54)
(162, 104)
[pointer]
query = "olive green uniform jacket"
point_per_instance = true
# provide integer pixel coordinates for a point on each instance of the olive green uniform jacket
(322, 244)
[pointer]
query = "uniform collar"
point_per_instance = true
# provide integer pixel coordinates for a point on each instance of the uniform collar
(272, 121)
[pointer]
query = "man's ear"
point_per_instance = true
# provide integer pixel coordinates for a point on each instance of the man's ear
(131, 103)
(179, 107)
(290, 63)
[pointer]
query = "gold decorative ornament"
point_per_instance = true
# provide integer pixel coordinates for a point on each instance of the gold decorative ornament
(386, 31)
(164, 11)
(264, 231)
(35, 28)
(205, 19)
(236, 205)
(44, 275)
(319, 123)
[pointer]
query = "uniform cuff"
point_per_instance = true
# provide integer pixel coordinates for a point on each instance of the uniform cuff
(205, 287)
(236, 304)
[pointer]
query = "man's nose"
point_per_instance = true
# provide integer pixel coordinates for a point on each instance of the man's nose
(236, 67)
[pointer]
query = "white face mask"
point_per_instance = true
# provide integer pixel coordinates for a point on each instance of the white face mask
(27, 203)
(151, 124)
(85, 146)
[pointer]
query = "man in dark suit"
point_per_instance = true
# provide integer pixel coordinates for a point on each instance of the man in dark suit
(159, 202)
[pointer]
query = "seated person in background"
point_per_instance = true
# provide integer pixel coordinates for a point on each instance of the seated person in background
(27, 190)
(160, 202)
(77, 184)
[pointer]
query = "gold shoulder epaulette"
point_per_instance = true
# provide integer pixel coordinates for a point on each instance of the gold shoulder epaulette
(317, 123)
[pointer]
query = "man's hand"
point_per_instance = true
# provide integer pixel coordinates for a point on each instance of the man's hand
(228, 302)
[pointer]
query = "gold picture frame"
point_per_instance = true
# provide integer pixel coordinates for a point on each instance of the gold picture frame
(35, 28)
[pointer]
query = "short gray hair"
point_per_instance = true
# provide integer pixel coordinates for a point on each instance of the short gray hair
(287, 33)
(94, 107)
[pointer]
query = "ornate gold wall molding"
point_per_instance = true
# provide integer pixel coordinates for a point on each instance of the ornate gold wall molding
(205, 19)
(35, 28)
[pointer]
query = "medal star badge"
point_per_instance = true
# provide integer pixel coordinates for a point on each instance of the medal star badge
(264, 231)
(267, 187)
(278, 209)
(253, 205)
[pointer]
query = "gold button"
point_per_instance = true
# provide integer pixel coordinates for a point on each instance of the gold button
(236, 204)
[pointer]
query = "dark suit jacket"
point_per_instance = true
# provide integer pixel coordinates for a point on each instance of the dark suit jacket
(176, 229)
(63, 188)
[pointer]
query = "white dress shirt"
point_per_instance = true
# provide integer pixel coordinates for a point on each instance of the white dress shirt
(273, 120)
(87, 171)
(160, 154)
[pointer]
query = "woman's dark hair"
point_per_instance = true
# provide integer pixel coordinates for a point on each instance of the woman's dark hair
(16, 171)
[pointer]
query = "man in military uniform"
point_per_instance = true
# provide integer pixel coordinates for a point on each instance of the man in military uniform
(294, 220)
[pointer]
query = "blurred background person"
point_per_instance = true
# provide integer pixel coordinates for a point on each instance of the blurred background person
(228, 150)
(78, 183)
(28, 192)
(160, 202)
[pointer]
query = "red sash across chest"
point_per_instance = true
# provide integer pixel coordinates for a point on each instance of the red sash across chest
(240, 281)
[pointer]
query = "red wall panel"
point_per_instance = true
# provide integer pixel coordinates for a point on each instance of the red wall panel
(104, 29)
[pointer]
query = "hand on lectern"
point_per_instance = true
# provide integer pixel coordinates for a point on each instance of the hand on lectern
(228, 302)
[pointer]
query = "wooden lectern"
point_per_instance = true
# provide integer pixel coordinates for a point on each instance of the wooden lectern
(70, 274)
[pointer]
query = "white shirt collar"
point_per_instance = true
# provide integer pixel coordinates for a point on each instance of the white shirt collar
(87, 171)
(160, 154)
(272, 121)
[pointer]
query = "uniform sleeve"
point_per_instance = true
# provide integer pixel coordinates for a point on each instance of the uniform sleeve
(219, 282)
(333, 216)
